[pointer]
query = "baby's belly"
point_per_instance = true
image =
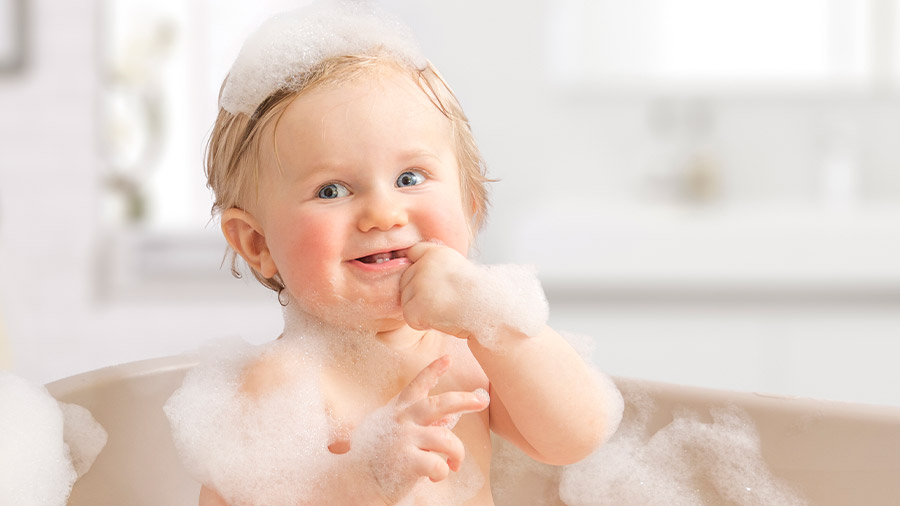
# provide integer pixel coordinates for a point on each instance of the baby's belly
(471, 484)
(447, 493)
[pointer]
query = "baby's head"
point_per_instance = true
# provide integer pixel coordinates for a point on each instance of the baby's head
(340, 52)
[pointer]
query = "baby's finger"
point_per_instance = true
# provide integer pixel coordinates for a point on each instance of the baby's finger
(432, 465)
(407, 275)
(436, 408)
(418, 250)
(419, 387)
(406, 291)
(443, 441)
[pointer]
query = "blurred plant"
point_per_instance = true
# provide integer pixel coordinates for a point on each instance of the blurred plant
(684, 166)
(133, 118)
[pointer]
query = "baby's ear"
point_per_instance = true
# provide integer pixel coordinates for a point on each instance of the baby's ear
(245, 235)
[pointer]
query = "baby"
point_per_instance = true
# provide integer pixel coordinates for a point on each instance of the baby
(347, 178)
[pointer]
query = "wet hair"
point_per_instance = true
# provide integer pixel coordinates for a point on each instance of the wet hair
(235, 150)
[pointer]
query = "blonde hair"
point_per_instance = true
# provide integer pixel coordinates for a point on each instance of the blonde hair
(235, 145)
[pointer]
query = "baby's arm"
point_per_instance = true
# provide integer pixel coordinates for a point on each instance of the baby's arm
(394, 447)
(546, 400)
(208, 497)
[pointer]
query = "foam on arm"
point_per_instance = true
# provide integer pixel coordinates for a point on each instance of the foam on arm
(512, 299)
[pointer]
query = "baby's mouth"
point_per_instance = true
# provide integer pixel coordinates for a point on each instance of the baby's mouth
(380, 258)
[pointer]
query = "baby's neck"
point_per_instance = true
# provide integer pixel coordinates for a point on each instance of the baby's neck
(403, 338)
(394, 334)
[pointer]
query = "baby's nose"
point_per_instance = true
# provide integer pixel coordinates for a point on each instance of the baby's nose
(383, 212)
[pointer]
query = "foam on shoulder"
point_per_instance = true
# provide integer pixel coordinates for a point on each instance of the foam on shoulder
(287, 46)
(264, 442)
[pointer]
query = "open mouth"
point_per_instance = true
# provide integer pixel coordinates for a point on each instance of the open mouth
(380, 258)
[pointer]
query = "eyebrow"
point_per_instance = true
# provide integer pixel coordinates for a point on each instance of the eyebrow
(317, 170)
(416, 154)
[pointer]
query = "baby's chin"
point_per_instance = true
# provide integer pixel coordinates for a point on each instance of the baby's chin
(360, 314)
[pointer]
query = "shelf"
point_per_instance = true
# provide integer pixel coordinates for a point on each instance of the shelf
(744, 248)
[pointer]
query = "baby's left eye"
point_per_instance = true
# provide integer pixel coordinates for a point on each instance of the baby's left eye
(410, 178)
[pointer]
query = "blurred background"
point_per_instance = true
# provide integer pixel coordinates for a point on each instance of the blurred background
(710, 190)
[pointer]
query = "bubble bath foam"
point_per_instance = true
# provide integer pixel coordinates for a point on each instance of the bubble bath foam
(830, 453)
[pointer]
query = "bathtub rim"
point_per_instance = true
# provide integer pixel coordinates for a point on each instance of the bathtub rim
(66, 386)
(63, 387)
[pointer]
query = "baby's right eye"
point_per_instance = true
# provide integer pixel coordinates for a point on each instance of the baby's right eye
(333, 191)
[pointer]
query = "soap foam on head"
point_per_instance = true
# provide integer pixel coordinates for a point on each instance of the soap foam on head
(286, 47)
(39, 440)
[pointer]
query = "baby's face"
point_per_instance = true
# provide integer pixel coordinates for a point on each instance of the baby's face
(368, 170)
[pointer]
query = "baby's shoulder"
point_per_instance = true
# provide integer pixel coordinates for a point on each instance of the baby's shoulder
(270, 371)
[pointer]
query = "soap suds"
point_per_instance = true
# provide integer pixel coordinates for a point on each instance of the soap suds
(287, 46)
(252, 422)
(699, 458)
(514, 298)
(689, 461)
(45, 445)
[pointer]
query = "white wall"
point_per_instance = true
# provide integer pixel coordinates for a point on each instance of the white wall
(545, 143)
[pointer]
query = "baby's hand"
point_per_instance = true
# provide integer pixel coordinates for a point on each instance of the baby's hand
(411, 436)
(490, 304)
(435, 291)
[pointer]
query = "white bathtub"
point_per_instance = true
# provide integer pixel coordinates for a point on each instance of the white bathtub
(835, 453)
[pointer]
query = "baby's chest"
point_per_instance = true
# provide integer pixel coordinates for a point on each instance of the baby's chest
(350, 400)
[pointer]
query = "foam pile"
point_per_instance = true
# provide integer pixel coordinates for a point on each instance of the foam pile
(697, 459)
(84, 437)
(45, 445)
(284, 48)
(250, 446)
(690, 461)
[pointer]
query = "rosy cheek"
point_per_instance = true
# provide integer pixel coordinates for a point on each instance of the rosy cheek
(308, 245)
(447, 222)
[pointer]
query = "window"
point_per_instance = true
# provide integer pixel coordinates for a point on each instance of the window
(161, 64)
(711, 44)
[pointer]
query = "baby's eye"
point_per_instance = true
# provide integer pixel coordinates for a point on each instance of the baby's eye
(410, 178)
(333, 191)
